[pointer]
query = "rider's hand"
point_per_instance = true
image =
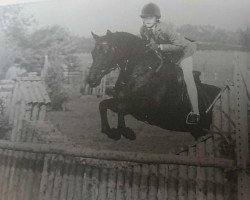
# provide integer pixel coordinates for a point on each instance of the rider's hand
(153, 46)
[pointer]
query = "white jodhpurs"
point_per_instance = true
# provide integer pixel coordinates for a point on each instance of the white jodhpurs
(187, 68)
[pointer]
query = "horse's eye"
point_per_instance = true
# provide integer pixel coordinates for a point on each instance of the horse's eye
(102, 49)
(105, 49)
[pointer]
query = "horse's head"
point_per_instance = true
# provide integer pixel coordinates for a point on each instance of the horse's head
(104, 58)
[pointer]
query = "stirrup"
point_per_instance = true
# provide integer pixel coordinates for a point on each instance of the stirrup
(192, 118)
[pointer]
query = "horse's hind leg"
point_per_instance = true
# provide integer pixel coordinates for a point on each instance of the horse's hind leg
(105, 127)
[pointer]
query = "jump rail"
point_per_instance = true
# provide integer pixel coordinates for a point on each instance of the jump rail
(143, 158)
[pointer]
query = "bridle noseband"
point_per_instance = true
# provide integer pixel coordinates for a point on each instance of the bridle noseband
(114, 51)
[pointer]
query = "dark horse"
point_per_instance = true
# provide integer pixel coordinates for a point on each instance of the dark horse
(152, 95)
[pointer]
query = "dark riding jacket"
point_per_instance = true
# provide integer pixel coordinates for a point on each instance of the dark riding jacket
(170, 41)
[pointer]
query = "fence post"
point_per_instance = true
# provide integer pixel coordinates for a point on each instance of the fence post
(242, 147)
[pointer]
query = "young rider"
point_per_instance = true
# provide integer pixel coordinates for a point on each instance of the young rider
(160, 36)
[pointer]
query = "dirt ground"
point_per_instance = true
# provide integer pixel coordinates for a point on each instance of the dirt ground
(81, 126)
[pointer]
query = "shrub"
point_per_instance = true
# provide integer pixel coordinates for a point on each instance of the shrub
(54, 81)
(5, 126)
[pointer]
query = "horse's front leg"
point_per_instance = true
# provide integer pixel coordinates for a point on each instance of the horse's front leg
(105, 127)
(122, 129)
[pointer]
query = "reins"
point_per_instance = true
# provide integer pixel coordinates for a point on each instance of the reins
(159, 55)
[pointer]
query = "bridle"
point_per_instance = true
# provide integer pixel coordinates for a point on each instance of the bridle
(117, 65)
(160, 56)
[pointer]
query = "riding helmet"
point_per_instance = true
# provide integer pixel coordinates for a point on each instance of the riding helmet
(150, 10)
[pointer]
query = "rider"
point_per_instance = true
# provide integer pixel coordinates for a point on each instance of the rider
(160, 36)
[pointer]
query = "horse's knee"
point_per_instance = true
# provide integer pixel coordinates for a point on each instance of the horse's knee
(107, 104)
(103, 105)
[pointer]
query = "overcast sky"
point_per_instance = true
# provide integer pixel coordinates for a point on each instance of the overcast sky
(83, 16)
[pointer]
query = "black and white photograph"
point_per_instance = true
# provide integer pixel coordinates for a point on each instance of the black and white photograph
(124, 100)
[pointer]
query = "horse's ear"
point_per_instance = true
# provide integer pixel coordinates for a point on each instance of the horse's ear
(96, 37)
(109, 33)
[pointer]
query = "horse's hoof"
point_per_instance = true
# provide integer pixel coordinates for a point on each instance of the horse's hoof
(113, 134)
(128, 133)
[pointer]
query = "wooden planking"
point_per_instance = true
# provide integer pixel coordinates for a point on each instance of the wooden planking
(103, 184)
(6, 175)
(57, 185)
(44, 179)
(77, 194)
(42, 112)
(182, 186)
(71, 179)
(29, 102)
(95, 184)
(31, 160)
(65, 178)
(38, 168)
(16, 108)
(112, 177)
(144, 182)
(242, 140)
(162, 182)
(172, 182)
(20, 121)
(210, 170)
(2, 168)
(136, 182)
(191, 175)
(12, 104)
(120, 190)
(128, 183)
(86, 193)
(225, 112)
(53, 177)
(201, 174)
(153, 174)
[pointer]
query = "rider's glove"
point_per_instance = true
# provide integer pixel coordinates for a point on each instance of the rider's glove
(153, 46)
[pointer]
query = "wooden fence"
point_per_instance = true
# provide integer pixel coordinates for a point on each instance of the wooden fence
(26, 99)
(42, 172)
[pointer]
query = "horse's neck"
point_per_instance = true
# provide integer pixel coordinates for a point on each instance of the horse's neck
(132, 55)
(128, 46)
(131, 65)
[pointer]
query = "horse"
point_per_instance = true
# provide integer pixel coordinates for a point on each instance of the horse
(147, 88)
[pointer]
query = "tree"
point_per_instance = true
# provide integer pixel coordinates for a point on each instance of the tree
(217, 38)
(14, 26)
(243, 37)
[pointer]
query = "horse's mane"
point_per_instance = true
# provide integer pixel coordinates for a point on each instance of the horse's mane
(129, 39)
(130, 36)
